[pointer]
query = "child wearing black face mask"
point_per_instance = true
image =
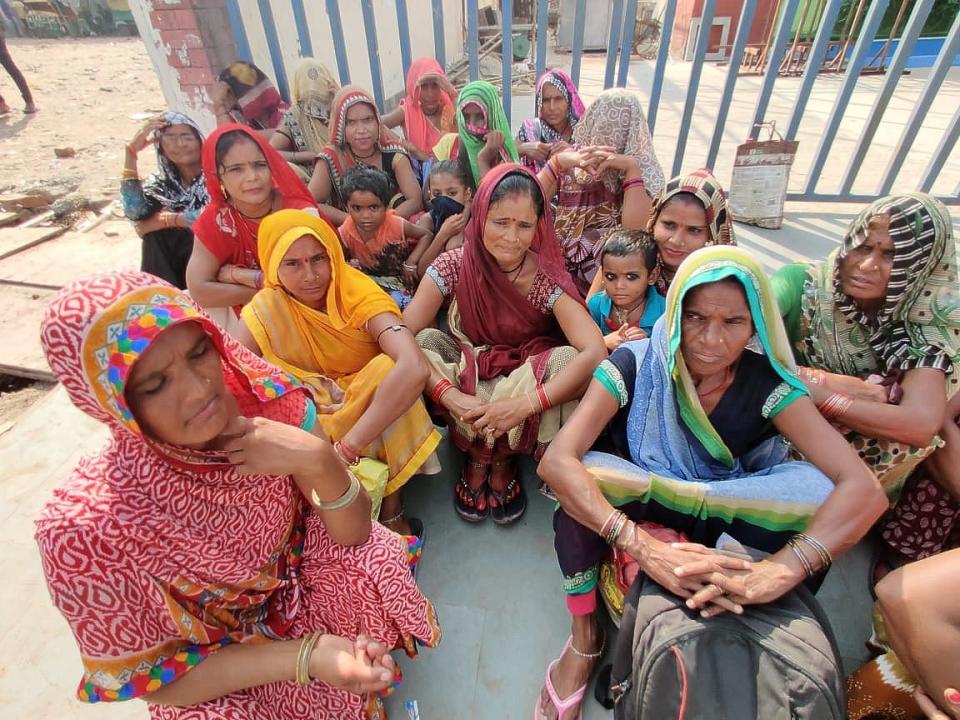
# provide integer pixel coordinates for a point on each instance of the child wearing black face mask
(449, 194)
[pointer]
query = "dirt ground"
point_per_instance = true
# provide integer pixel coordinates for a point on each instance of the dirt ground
(93, 94)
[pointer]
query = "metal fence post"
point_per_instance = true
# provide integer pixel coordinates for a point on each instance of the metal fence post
(700, 50)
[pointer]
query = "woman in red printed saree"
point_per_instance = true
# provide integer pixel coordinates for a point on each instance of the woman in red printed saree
(247, 180)
(521, 345)
(192, 577)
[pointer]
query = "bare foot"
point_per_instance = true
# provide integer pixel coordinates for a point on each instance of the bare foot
(568, 676)
(30, 108)
(4, 108)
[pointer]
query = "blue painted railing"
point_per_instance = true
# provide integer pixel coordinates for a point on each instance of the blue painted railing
(620, 39)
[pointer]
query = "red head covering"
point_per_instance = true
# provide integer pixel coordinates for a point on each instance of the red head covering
(483, 291)
(416, 125)
(230, 236)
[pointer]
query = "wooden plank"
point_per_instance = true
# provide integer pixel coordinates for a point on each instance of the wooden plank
(74, 255)
(20, 351)
(13, 240)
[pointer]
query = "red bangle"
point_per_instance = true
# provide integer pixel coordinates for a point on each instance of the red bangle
(633, 182)
(545, 403)
(437, 391)
(349, 454)
(835, 406)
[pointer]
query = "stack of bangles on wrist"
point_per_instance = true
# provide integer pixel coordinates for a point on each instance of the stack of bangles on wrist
(347, 453)
(553, 165)
(543, 401)
(349, 495)
(409, 267)
(437, 391)
(835, 406)
(633, 182)
(814, 375)
(613, 526)
(303, 658)
(129, 174)
(818, 547)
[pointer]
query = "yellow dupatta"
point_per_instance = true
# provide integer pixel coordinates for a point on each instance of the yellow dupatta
(314, 345)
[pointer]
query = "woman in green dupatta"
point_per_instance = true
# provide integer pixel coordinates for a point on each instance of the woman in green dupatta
(695, 415)
(483, 139)
(877, 325)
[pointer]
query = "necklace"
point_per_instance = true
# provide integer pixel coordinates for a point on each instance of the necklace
(362, 158)
(727, 378)
(622, 315)
(508, 273)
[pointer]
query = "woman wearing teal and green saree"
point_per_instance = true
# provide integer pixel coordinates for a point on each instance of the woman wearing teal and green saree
(696, 414)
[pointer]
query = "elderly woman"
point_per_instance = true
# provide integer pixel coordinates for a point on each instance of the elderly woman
(216, 559)
(483, 139)
(591, 204)
(918, 623)
(247, 180)
(521, 345)
(877, 328)
(329, 325)
(164, 208)
(689, 213)
(557, 107)
(695, 414)
(428, 111)
(305, 126)
(359, 138)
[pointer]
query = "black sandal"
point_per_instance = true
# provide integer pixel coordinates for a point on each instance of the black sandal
(477, 508)
(503, 511)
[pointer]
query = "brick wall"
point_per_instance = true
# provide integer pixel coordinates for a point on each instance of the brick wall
(195, 38)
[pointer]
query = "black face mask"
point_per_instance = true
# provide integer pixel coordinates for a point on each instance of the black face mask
(442, 207)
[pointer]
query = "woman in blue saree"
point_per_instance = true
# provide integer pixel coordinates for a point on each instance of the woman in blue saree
(696, 414)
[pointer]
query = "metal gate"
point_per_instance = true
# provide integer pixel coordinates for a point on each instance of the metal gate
(847, 63)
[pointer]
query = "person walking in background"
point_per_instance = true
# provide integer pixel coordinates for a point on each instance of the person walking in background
(29, 106)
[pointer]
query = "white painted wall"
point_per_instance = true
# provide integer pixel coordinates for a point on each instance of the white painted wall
(420, 20)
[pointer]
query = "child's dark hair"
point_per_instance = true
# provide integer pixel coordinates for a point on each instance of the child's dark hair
(451, 167)
(621, 243)
(367, 179)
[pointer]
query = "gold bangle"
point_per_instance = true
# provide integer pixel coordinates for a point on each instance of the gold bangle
(349, 495)
(818, 547)
(307, 646)
(801, 555)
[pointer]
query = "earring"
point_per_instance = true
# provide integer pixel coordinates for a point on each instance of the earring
(223, 191)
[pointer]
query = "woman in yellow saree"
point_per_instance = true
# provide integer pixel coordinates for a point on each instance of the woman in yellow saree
(333, 328)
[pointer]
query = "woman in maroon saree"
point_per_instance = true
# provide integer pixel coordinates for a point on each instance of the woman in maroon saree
(520, 347)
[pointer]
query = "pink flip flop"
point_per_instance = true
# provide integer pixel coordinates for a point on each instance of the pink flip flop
(561, 706)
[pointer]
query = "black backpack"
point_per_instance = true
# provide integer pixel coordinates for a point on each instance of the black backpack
(777, 661)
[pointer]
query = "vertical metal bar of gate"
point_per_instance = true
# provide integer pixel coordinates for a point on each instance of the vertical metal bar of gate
(439, 41)
(700, 50)
(542, 17)
(303, 29)
(666, 29)
(733, 71)
(506, 92)
(339, 47)
(578, 26)
(473, 38)
(934, 81)
(818, 51)
(403, 27)
(614, 43)
(942, 152)
(273, 46)
(854, 65)
(373, 50)
(907, 40)
(626, 39)
(240, 38)
(773, 64)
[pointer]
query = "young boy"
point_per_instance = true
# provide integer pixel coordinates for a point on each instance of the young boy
(448, 200)
(376, 239)
(629, 303)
